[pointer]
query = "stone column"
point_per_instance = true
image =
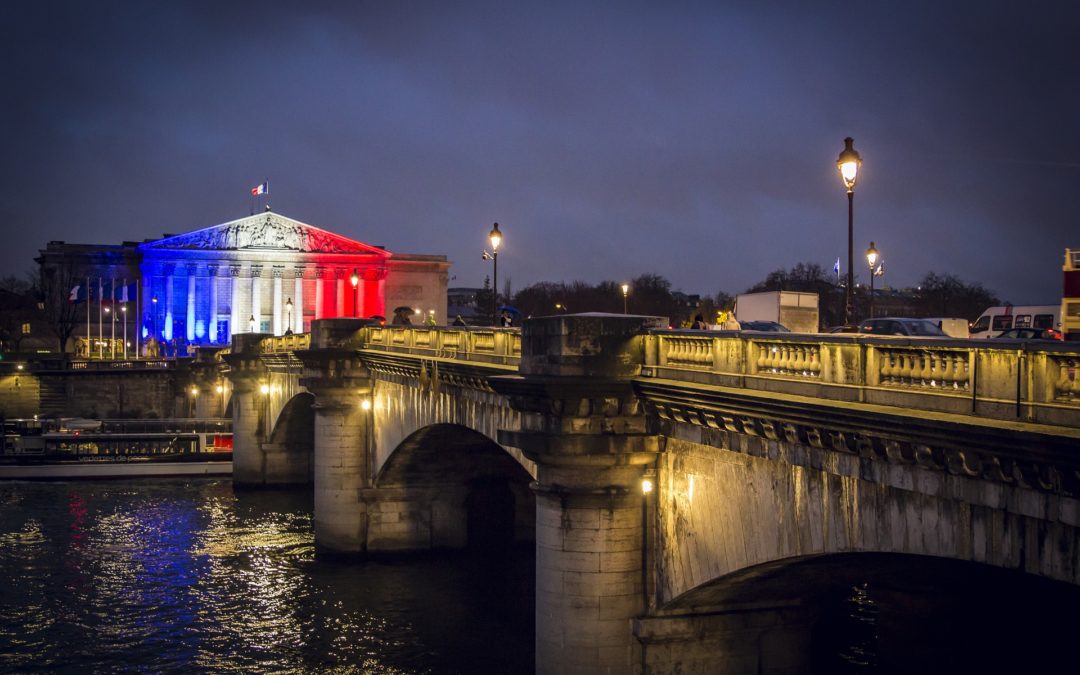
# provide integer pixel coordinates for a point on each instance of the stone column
(339, 278)
(298, 301)
(583, 426)
(211, 321)
(235, 319)
(189, 328)
(379, 303)
(319, 281)
(168, 306)
(343, 442)
(276, 328)
(256, 298)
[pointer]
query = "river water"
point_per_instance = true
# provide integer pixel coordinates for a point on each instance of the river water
(188, 575)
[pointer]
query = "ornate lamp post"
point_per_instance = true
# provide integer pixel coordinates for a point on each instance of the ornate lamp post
(848, 163)
(495, 238)
(288, 316)
(625, 294)
(871, 260)
(355, 281)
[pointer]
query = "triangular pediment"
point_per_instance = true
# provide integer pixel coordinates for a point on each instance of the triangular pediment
(264, 232)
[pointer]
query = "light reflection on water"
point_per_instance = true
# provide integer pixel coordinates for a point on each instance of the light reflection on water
(186, 575)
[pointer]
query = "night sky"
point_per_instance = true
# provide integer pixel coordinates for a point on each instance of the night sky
(697, 141)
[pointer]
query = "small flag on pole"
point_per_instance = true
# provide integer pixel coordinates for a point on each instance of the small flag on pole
(836, 268)
(77, 294)
(261, 189)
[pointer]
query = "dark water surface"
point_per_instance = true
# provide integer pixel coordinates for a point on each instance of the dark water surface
(171, 575)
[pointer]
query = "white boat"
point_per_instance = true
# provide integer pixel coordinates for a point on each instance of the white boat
(115, 449)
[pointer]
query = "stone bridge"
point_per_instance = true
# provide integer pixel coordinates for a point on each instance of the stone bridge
(689, 493)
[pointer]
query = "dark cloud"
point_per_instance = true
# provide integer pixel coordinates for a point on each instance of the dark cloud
(610, 139)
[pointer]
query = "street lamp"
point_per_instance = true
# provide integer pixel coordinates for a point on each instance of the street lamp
(848, 163)
(495, 238)
(561, 307)
(288, 316)
(871, 260)
(251, 324)
(625, 293)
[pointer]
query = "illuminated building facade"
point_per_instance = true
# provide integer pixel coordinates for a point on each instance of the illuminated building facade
(265, 273)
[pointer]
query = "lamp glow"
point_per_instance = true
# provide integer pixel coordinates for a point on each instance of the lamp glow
(495, 237)
(264, 389)
(849, 162)
(365, 404)
(646, 486)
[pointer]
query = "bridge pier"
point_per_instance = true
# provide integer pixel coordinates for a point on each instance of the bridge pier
(585, 430)
(343, 447)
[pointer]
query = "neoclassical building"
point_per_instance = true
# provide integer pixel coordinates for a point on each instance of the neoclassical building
(264, 273)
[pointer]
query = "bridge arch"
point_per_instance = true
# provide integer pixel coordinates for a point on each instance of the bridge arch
(290, 447)
(847, 612)
(449, 486)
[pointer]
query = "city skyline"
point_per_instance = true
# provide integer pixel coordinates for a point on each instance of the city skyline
(609, 140)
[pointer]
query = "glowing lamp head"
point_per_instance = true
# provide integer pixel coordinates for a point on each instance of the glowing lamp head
(646, 486)
(220, 389)
(365, 404)
(355, 278)
(495, 237)
(849, 162)
(264, 389)
(871, 256)
(194, 391)
(625, 289)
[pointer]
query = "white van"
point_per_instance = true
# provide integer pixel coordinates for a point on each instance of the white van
(995, 320)
(951, 326)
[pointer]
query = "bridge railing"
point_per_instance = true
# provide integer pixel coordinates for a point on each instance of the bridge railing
(1002, 380)
(500, 346)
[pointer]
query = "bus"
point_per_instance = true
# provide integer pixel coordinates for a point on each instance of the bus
(996, 320)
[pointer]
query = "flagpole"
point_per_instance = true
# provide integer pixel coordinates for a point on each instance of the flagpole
(112, 319)
(88, 318)
(101, 338)
(138, 314)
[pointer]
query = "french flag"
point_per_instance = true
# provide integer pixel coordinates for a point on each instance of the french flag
(261, 189)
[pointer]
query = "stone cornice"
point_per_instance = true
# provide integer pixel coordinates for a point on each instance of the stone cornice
(1032, 456)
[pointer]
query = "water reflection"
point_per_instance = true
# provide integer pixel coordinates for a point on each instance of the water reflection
(182, 575)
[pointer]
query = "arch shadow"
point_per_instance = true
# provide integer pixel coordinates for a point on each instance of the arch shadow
(885, 613)
(481, 489)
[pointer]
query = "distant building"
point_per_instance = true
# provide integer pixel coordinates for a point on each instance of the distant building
(265, 273)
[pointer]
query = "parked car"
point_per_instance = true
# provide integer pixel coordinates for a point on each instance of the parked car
(890, 325)
(764, 325)
(1031, 334)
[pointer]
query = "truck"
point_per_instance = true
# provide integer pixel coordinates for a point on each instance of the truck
(798, 312)
(1070, 296)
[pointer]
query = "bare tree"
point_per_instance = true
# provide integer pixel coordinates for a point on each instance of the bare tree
(55, 284)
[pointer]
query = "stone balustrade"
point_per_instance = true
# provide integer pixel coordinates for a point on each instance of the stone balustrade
(999, 380)
(500, 346)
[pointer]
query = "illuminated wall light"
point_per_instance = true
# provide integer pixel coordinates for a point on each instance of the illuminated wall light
(365, 404)
(646, 486)
(264, 389)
